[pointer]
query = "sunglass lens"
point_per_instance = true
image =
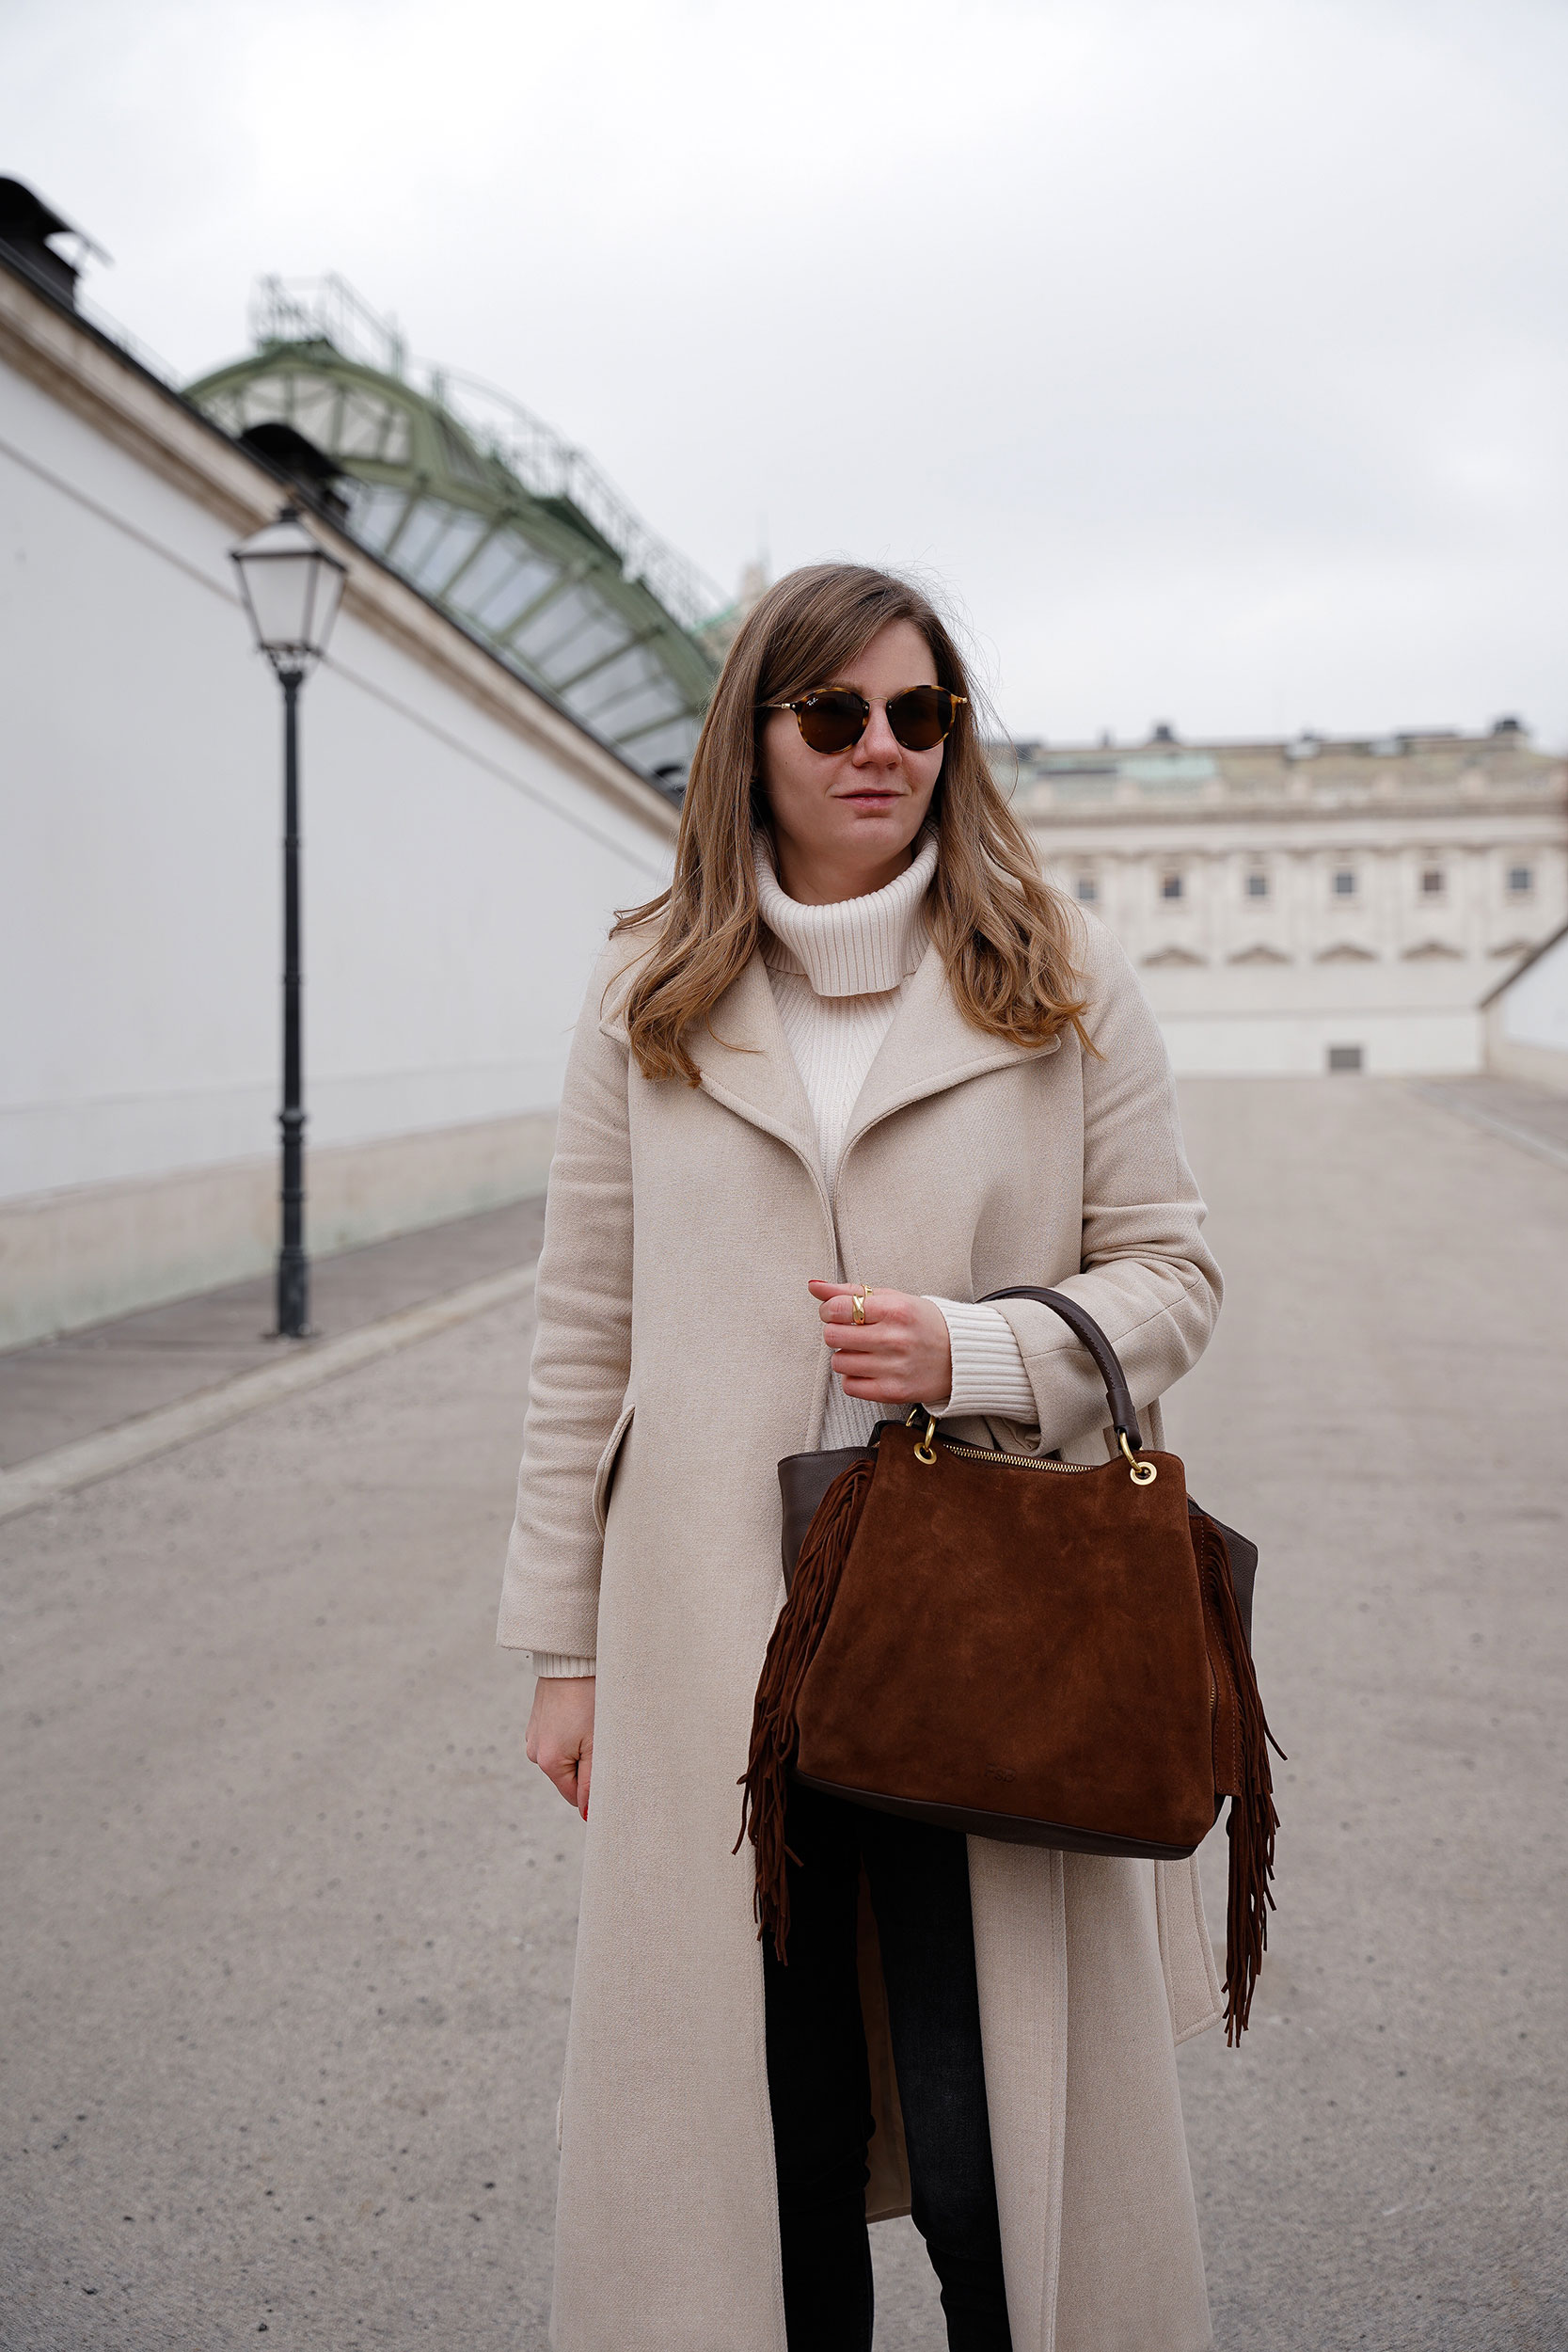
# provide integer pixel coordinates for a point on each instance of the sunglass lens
(921, 718)
(832, 721)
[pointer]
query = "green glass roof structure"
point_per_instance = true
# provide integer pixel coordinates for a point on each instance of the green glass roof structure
(491, 514)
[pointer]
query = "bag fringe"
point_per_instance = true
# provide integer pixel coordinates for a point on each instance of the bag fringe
(1253, 1821)
(775, 1733)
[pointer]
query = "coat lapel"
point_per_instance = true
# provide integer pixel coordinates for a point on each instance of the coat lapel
(745, 1062)
(929, 1047)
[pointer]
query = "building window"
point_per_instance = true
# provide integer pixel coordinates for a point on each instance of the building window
(1344, 1057)
(1521, 881)
(1432, 882)
(1172, 886)
(1343, 883)
(1257, 884)
(1087, 890)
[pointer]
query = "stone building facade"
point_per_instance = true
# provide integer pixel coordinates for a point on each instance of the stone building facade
(1319, 904)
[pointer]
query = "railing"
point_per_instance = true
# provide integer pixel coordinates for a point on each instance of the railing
(92, 314)
(289, 311)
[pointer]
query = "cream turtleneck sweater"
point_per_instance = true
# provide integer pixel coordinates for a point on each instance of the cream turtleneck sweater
(838, 973)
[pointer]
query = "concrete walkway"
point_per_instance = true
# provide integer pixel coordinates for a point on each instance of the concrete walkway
(1382, 2164)
(58, 1391)
(1531, 1116)
(288, 1920)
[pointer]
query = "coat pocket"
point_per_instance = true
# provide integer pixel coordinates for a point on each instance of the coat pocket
(604, 1477)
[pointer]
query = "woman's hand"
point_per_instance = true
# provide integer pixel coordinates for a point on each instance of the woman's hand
(561, 1734)
(900, 1355)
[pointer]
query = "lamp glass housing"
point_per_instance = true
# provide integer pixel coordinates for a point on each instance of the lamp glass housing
(291, 588)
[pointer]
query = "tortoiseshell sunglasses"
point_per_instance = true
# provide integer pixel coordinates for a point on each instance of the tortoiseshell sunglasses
(834, 717)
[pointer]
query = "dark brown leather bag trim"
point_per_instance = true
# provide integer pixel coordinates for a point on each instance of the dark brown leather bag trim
(1016, 1828)
(1244, 1563)
(803, 1480)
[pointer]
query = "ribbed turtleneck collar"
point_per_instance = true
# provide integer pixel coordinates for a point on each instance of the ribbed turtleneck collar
(857, 948)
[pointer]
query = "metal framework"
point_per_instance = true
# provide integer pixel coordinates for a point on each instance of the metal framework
(488, 512)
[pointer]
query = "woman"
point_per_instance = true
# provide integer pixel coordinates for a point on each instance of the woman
(858, 1042)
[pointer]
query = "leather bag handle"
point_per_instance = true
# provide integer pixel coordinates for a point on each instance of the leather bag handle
(1083, 1325)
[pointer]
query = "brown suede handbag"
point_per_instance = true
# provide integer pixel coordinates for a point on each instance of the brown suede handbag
(1020, 1648)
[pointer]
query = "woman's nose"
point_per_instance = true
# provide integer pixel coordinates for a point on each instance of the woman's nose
(878, 746)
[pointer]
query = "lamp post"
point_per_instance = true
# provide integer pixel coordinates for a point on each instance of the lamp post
(292, 589)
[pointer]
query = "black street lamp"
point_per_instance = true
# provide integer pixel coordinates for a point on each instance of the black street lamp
(292, 589)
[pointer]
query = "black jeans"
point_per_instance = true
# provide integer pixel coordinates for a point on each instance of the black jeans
(820, 2084)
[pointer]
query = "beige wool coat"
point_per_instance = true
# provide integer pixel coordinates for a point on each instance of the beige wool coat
(678, 1356)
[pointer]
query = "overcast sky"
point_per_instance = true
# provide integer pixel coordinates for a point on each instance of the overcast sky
(1210, 354)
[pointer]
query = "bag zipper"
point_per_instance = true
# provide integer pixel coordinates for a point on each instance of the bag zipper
(1012, 1461)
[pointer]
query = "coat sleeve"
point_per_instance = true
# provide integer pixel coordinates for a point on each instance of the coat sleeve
(1146, 1274)
(582, 1352)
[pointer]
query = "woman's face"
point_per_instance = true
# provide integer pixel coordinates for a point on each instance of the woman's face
(853, 815)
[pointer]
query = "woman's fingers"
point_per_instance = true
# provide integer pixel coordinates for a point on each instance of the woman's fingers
(888, 1375)
(560, 1735)
(901, 1351)
(898, 1352)
(571, 1772)
(880, 1345)
(836, 1304)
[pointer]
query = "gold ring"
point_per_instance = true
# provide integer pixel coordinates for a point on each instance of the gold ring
(857, 1303)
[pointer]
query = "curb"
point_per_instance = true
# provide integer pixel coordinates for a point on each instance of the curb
(88, 1459)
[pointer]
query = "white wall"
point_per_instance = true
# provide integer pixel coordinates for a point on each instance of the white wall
(1260, 1019)
(1526, 1022)
(455, 887)
(1534, 1007)
(1274, 1044)
(458, 878)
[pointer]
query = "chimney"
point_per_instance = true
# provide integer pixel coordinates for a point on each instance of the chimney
(27, 227)
(310, 468)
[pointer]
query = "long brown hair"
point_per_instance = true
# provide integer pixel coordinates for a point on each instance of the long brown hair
(1006, 936)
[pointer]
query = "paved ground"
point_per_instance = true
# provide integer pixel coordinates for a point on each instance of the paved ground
(1531, 1116)
(62, 1389)
(288, 1920)
(1383, 2163)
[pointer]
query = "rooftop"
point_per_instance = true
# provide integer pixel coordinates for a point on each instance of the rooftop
(488, 512)
(1163, 773)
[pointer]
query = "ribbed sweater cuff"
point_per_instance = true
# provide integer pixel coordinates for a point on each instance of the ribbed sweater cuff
(549, 1662)
(987, 1369)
